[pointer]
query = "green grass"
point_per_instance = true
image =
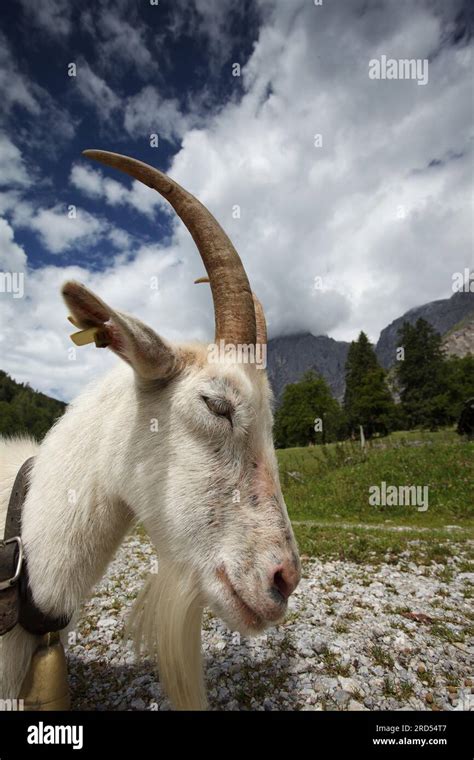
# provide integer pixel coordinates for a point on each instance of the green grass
(382, 657)
(333, 481)
(332, 664)
(326, 489)
(372, 546)
(446, 634)
(445, 435)
(402, 691)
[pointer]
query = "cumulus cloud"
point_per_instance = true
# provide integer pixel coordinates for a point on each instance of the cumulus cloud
(92, 183)
(12, 167)
(12, 255)
(147, 112)
(60, 229)
(157, 285)
(347, 197)
(142, 114)
(348, 206)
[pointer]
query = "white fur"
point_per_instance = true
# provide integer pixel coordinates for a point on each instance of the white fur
(103, 466)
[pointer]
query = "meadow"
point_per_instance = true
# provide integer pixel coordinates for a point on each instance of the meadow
(326, 489)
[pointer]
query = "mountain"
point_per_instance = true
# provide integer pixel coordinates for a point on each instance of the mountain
(23, 410)
(443, 315)
(459, 341)
(290, 356)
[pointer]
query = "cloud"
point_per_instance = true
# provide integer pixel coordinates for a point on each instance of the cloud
(52, 16)
(62, 229)
(120, 239)
(333, 211)
(95, 91)
(12, 255)
(59, 231)
(35, 342)
(12, 167)
(218, 23)
(124, 41)
(15, 87)
(120, 38)
(44, 124)
(59, 228)
(148, 112)
(93, 184)
(377, 207)
(90, 181)
(142, 114)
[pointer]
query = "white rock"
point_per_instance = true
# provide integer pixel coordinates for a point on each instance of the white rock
(354, 706)
(348, 684)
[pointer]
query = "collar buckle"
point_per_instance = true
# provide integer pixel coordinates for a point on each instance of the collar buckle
(19, 562)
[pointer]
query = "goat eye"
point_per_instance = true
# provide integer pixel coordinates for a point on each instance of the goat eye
(219, 406)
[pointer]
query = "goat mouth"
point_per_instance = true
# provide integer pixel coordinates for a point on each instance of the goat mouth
(251, 618)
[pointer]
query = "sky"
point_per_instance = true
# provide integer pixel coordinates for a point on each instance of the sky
(348, 197)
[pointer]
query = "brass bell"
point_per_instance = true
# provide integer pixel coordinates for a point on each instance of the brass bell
(45, 686)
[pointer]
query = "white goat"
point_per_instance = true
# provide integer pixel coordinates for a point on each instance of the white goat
(205, 486)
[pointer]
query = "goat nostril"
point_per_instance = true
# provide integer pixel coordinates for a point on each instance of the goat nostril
(280, 583)
(285, 578)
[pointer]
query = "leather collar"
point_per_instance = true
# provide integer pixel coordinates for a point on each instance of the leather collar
(16, 601)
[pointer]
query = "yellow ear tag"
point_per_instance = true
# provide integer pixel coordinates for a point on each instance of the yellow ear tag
(84, 337)
(90, 335)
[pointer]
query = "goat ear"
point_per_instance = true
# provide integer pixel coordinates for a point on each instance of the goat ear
(149, 355)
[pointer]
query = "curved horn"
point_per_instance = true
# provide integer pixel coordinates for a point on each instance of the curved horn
(261, 321)
(259, 316)
(233, 303)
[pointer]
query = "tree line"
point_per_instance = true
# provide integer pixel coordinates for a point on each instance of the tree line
(424, 389)
(25, 411)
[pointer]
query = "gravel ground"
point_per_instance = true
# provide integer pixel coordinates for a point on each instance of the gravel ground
(357, 637)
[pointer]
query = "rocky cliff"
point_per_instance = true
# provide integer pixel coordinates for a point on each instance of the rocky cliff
(290, 356)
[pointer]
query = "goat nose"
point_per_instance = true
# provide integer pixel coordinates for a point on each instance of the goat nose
(285, 578)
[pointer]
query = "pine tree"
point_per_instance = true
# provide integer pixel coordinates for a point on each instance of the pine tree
(459, 376)
(367, 399)
(422, 376)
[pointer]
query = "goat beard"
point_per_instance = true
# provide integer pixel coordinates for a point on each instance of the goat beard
(165, 625)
